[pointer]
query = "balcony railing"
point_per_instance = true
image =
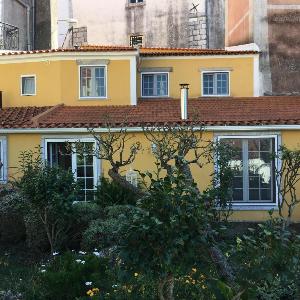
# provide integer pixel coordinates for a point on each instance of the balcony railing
(9, 37)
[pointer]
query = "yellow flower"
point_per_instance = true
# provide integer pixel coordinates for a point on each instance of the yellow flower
(96, 290)
(129, 291)
(89, 292)
(194, 281)
(194, 270)
(187, 281)
(92, 294)
(203, 287)
(136, 274)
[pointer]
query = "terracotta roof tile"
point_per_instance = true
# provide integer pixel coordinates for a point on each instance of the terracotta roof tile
(206, 111)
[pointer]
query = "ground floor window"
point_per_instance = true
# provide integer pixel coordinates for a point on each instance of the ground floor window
(254, 169)
(83, 165)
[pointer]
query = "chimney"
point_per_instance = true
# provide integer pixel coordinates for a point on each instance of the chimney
(184, 87)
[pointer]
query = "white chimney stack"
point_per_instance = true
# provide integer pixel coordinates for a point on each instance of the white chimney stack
(184, 99)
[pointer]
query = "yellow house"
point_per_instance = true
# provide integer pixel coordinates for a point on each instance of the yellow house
(53, 96)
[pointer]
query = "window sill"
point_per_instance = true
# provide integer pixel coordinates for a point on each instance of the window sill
(27, 95)
(255, 207)
(92, 98)
(155, 97)
(204, 96)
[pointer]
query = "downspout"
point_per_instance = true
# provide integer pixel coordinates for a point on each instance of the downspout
(28, 22)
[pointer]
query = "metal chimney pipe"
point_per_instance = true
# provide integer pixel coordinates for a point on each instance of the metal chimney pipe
(183, 100)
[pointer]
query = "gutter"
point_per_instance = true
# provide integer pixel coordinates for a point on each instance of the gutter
(140, 129)
(28, 22)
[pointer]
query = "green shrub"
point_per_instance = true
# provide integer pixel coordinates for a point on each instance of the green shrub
(110, 193)
(267, 261)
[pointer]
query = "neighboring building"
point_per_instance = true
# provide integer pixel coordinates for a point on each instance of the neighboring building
(155, 23)
(274, 25)
(54, 96)
(16, 24)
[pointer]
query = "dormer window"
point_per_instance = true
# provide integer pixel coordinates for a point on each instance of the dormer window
(215, 83)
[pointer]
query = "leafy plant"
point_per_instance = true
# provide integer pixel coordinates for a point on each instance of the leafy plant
(48, 193)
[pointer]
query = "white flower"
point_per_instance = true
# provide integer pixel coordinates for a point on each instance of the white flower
(114, 286)
(96, 253)
(78, 260)
(83, 262)
(43, 271)
(43, 265)
(55, 253)
(82, 252)
(88, 283)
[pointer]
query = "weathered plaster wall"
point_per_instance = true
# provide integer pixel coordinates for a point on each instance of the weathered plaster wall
(42, 25)
(163, 23)
(14, 13)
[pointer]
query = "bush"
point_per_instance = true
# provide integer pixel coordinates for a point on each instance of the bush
(105, 232)
(12, 227)
(110, 193)
(267, 260)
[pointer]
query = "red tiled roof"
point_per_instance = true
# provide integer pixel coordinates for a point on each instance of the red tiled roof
(206, 111)
(79, 49)
(191, 51)
(143, 51)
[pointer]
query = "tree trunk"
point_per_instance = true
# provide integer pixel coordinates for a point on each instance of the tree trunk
(170, 287)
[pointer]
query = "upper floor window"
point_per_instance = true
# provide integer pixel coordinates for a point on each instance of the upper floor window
(135, 1)
(28, 85)
(155, 84)
(215, 84)
(254, 169)
(93, 82)
(136, 40)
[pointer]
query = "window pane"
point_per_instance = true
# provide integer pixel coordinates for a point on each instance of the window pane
(148, 85)
(59, 154)
(92, 82)
(161, 84)
(28, 85)
(222, 83)
(208, 84)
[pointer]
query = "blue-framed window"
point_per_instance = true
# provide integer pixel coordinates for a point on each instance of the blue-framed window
(215, 84)
(155, 85)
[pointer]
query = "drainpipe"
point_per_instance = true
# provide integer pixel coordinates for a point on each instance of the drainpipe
(28, 22)
(184, 100)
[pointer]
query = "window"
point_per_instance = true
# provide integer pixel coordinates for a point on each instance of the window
(215, 84)
(93, 82)
(136, 41)
(82, 165)
(135, 1)
(3, 162)
(155, 85)
(28, 85)
(132, 177)
(254, 169)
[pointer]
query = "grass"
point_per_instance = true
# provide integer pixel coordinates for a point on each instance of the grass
(17, 268)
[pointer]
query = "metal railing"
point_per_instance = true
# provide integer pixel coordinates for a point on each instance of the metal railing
(9, 37)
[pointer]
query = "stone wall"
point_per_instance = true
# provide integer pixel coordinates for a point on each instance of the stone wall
(79, 37)
(197, 30)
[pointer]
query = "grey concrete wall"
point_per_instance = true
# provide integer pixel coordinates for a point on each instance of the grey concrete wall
(14, 13)
(43, 25)
(163, 23)
(215, 10)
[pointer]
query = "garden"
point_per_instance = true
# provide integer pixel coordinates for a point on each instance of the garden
(162, 238)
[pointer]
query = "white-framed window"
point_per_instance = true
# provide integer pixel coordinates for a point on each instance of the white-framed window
(132, 177)
(215, 83)
(84, 165)
(3, 160)
(254, 169)
(93, 82)
(28, 85)
(155, 84)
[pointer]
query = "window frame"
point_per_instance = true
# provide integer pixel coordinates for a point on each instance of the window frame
(255, 205)
(136, 3)
(155, 73)
(21, 84)
(3, 153)
(106, 82)
(215, 72)
(96, 161)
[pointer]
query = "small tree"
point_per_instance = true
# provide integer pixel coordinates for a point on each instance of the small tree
(48, 193)
(287, 177)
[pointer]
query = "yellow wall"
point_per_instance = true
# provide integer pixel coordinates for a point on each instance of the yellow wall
(188, 71)
(58, 82)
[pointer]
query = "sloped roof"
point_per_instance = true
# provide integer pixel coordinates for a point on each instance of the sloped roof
(206, 111)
